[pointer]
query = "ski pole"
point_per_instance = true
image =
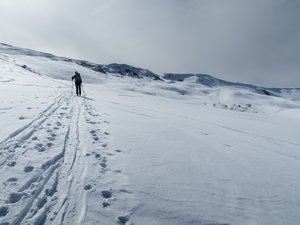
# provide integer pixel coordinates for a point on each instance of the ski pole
(82, 89)
(72, 86)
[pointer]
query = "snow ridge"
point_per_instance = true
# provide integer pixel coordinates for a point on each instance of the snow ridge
(209, 81)
(116, 69)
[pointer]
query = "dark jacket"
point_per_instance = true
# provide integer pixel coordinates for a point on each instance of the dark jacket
(77, 78)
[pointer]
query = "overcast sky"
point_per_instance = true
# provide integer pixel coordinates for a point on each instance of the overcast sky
(252, 41)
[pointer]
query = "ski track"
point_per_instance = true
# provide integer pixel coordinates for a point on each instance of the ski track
(50, 169)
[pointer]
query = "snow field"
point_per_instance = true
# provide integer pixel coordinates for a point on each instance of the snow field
(194, 164)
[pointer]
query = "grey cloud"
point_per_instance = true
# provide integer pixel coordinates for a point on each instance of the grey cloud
(254, 41)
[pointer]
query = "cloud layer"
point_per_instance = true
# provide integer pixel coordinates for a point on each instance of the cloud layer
(254, 41)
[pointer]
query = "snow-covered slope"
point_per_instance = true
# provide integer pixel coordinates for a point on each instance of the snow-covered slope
(209, 81)
(142, 151)
(112, 69)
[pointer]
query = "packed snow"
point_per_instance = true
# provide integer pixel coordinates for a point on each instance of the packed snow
(142, 149)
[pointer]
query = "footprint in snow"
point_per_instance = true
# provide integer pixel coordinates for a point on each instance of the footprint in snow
(14, 197)
(105, 204)
(12, 179)
(51, 138)
(3, 211)
(18, 145)
(103, 165)
(94, 134)
(119, 151)
(28, 169)
(34, 138)
(12, 163)
(41, 202)
(106, 194)
(87, 187)
(49, 144)
(123, 219)
(39, 147)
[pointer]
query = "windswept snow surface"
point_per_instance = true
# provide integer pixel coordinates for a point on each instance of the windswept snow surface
(138, 151)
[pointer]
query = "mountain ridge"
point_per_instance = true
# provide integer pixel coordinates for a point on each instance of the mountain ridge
(122, 69)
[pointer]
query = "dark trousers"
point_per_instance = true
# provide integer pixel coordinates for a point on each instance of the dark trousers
(78, 88)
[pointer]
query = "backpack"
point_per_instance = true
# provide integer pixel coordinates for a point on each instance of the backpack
(77, 78)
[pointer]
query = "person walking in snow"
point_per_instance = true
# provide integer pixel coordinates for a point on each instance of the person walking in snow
(78, 82)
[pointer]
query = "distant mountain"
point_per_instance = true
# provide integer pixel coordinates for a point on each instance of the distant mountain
(124, 70)
(117, 69)
(209, 81)
(120, 69)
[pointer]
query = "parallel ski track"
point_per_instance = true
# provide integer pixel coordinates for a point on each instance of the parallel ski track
(66, 207)
(21, 135)
(54, 192)
(61, 165)
(47, 168)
